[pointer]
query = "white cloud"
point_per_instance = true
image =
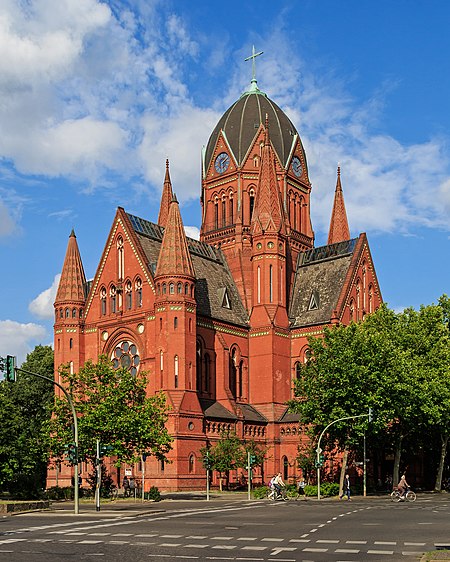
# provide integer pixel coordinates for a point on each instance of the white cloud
(19, 339)
(42, 305)
(192, 232)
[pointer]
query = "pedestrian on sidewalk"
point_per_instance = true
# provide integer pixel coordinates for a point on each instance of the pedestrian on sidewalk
(346, 488)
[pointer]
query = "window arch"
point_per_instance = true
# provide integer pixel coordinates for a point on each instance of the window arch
(120, 260)
(67, 313)
(251, 199)
(138, 289)
(233, 371)
(285, 468)
(103, 301)
(191, 463)
(113, 299)
(171, 288)
(298, 370)
(128, 295)
(179, 288)
(175, 361)
(74, 312)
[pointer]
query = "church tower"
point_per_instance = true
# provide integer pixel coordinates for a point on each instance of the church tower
(231, 167)
(69, 309)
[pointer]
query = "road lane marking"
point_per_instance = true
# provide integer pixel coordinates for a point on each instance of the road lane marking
(387, 552)
(200, 537)
(414, 543)
(347, 550)
(310, 549)
(219, 538)
(300, 540)
(247, 539)
(411, 553)
(389, 543)
(162, 536)
(224, 546)
(89, 542)
(254, 548)
(356, 542)
(269, 539)
(328, 541)
(196, 545)
(170, 544)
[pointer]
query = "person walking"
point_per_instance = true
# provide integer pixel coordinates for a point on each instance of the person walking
(126, 486)
(346, 488)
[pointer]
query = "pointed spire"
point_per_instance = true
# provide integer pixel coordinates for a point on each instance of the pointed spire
(268, 213)
(73, 280)
(174, 257)
(166, 198)
(339, 230)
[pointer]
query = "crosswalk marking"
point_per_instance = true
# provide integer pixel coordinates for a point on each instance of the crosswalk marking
(387, 552)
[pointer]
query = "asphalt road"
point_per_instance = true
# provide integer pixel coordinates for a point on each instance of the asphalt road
(233, 529)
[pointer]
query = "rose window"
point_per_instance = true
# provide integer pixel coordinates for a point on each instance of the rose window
(126, 355)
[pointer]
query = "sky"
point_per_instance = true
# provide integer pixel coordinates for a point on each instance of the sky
(95, 95)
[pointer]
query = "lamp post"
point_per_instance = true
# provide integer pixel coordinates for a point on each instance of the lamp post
(319, 450)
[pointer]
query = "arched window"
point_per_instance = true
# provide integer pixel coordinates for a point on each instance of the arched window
(171, 288)
(252, 203)
(285, 469)
(240, 390)
(352, 309)
(81, 313)
(67, 313)
(216, 213)
(298, 370)
(103, 300)
(179, 288)
(207, 362)
(70, 343)
(161, 360)
(175, 322)
(233, 372)
(270, 283)
(231, 221)
(164, 288)
(74, 312)
(61, 315)
(186, 289)
(191, 463)
(370, 299)
(160, 324)
(176, 371)
(138, 288)
(128, 295)
(199, 366)
(120, 260)
(190, 325)
(259, 284)
(113, 299)
(224, 211)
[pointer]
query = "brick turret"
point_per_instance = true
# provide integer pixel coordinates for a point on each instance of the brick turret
(339, 230)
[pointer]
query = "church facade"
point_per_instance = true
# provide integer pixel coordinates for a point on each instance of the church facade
(220, 324)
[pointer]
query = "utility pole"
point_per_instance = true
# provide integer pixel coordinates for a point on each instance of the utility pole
(99, 478)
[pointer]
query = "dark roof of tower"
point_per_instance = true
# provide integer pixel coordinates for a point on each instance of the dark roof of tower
(339, 230)
(71, 286)
(319, 279)
(241, 122)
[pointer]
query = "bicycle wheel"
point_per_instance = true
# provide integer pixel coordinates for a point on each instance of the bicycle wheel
(411, 496)
(271, 495)
(395, 495)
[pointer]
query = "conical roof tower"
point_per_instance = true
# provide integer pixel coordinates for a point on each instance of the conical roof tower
(166, 198)
(71, 287)
(339, 230)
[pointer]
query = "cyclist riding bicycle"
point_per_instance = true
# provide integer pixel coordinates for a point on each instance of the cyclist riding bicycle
(403, 486)
(278, 483)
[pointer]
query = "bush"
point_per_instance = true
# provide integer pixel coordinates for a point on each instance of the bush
(154, 494)
(261, 492)
(327, 489)
(58, 493)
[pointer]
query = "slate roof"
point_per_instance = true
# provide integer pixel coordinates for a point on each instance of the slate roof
(215, 410)
(213, 277)
(320, 273)
(241, 122)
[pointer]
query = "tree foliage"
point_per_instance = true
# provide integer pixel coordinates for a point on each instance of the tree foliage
(25, 406)
(397, 364)
(112, 406)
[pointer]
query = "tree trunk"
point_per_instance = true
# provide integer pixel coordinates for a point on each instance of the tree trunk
(398, 452)
(440, 469)
(343, 471)
(220, 482)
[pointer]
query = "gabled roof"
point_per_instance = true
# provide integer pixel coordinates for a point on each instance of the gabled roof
(320, 272)
(268, 216)
(211, 273)
(71, 286)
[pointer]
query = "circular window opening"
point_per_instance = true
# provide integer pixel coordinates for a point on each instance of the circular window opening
(126, 356)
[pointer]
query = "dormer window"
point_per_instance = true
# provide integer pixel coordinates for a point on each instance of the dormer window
(224, 298)
(314, 302)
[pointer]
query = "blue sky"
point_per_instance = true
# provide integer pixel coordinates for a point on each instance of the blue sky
(96, 95)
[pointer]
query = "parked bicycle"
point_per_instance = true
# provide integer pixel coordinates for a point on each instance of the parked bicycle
(274, 496)
(409, 496)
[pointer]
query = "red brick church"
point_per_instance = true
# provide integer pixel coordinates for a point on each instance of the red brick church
(220, 324)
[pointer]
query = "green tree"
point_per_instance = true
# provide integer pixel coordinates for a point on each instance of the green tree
(112, 406)
(227, 454)
(25, 406)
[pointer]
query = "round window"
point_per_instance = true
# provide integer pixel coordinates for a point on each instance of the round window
(126, 356)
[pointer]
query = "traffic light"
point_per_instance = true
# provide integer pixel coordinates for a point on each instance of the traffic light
(207, 462)
(105, 449)
(319, 461)
(72, 453)
(370, 416)
(252, 460)
(10, 373)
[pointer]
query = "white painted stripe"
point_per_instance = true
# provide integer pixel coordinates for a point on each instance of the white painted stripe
(356, 542)
(328, 541)
(387, 552)
(300, 540)
(347, 550)
(46, 540)
(118, 542)
(225, 546)
(162, 536)
(125, 535)
(305, 535)
(247, 539)
(411, 553)
(219, 538)
(254, 548)
(390, 543)
(170, 544)
(414, 543)
(272, 539)
(196, 545)
(106, 534)
(191, 536)
(315, 550)
(89, 542)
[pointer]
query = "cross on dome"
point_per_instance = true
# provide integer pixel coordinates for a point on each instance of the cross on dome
(253, 57)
